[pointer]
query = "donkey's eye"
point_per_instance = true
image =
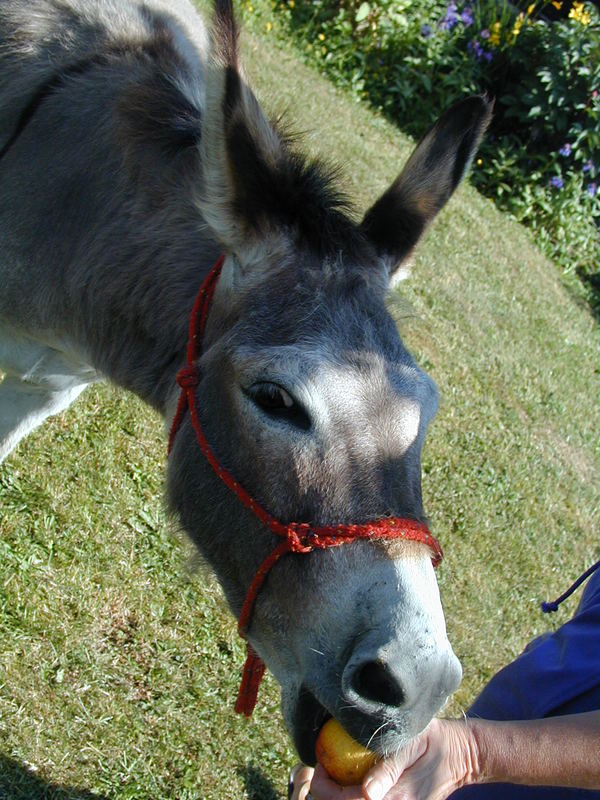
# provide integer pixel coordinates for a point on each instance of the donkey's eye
(276, 402)
(271, 397)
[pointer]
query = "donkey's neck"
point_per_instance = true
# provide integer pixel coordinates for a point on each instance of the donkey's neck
(137, 318)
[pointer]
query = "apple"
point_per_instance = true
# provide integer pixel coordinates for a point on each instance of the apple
(344, 759)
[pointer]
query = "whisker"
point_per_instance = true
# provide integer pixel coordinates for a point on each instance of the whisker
(376, 731)
(350, 705)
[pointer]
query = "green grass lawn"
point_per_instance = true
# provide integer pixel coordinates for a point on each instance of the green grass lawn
(119, 664)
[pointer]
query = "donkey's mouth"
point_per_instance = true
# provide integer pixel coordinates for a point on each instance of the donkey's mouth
(309, 718)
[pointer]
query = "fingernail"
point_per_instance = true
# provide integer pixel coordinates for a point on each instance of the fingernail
(374, 789)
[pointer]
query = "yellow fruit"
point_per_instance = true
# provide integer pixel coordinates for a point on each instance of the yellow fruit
(344, 759)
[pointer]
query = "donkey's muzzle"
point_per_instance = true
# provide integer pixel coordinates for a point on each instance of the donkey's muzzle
(404, 686)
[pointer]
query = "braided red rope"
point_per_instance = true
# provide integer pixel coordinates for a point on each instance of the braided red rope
(298, 537)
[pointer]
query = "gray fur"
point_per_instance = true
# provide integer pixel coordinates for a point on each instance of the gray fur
(120, 182)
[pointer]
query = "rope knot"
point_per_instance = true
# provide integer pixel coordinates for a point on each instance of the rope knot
(188, 377)
(549, 608)
(301, 537)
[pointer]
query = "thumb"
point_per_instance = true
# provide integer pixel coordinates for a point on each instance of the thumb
(386, 773)
(379, 781)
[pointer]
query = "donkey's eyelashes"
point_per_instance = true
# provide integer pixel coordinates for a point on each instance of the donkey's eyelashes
(278, 403)
(270, 397)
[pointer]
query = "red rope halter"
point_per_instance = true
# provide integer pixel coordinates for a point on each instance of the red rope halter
(297, 537)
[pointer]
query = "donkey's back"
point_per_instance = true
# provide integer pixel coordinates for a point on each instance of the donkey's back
(41, 39)
(99, 102)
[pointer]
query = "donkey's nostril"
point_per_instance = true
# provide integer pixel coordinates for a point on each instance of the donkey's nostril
(373, 681)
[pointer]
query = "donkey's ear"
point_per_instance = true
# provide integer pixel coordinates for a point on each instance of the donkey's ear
(239, 146)
(396, 221)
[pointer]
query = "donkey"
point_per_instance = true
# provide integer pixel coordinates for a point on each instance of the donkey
(132, 154)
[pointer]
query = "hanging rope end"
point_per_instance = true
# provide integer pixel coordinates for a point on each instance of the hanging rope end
(254, 669)
(553, 606)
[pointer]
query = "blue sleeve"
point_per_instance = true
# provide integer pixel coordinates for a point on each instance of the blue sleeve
(558, 673)
(552, 671)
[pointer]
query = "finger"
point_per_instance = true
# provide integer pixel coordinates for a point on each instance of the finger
(377, 786)
(386, 773)
(323, 788)
(299, 784)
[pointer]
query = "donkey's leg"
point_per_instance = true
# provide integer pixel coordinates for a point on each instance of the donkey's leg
(24, 406)
(39, 381)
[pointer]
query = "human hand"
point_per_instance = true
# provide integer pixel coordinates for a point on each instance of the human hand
(433, 765)
(437, 762)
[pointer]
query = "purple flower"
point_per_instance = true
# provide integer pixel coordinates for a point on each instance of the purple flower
(467, 16)
(588, 166)
(475, 47)
(592, 188)
(556, 182)
(485, 34)
(426, 31)
(565, 150)
(488, 56)
(451, 18)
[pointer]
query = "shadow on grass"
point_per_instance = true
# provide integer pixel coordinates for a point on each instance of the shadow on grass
(592, 283)
(17, 782)
(257, 786)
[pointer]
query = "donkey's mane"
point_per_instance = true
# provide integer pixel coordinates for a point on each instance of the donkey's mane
(297, 192)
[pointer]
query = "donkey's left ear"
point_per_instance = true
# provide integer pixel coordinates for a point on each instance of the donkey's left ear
(396, 221)
(239, 146)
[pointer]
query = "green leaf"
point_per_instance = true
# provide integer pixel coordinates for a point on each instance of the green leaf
(363, 12)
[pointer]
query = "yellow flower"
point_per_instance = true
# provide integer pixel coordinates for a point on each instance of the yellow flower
(250, 8)
(557, 5)
(530, 9)
(494, 39)
(321, 37)
(518, 25)
(268, 26)
(579, 14)
(479, 162)
(291, 3)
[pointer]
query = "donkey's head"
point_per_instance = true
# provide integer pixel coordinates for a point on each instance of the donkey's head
(310, 399)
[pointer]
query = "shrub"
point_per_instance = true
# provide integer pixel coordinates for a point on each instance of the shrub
(411, 58)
